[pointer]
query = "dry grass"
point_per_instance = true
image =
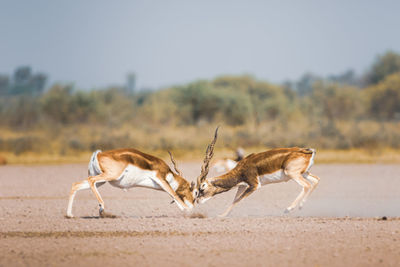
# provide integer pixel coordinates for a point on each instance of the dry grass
(42, 158)
(74, 144)
(383, 156)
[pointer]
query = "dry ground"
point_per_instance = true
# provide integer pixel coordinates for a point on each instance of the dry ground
(338, 226)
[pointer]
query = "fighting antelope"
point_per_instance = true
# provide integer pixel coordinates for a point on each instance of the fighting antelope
(272, 166)
(126, 168)
(227, 164)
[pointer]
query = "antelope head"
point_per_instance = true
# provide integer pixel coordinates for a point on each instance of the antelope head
(204, 188)
(185, 190)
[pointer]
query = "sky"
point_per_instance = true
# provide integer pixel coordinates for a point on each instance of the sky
(94, 44)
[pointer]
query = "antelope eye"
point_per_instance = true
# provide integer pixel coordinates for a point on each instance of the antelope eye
(203, 186)
(195, 193)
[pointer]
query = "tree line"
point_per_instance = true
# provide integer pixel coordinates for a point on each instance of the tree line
(340, 111)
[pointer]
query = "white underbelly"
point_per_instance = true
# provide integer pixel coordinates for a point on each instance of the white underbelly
(275, 177)
(133, 176)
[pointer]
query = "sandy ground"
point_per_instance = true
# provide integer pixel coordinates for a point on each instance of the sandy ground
(338, 226)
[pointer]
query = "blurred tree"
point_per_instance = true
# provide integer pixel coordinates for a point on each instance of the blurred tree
(21, 79)
(56, 103)
(62, 105)
(384, 98)
(288, 88)
(384, 65)
(113, 106)
(130, 86)
(37, 83)
(4, 84)
(346, 78)
(304, 86)
(242, 83)
(337, 102)
(21, 112)
(24, 82)
(200, 102)
(269, 101)
(235, 106)
(22, 75)
(157, 107)
(197, 101)
(266, 101)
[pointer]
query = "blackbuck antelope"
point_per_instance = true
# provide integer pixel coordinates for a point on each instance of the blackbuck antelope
(227, 164)
(272, 166)
(126, 168)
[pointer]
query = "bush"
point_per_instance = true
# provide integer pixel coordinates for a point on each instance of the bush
(384, 98)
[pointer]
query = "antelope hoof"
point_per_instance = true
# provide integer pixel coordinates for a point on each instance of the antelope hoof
(101, 210)
(69, 216)
(287, 211)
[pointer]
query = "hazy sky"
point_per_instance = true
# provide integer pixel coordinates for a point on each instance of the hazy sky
(95, 43)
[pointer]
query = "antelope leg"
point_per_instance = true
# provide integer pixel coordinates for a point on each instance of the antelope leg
(243, 191)
(306, 187)
(167, 188)
(314, 180)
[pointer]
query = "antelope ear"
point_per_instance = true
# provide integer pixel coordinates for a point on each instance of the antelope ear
(192, 186)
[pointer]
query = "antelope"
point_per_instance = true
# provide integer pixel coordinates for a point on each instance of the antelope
(128, 167)
(227, 164)
(272, 166)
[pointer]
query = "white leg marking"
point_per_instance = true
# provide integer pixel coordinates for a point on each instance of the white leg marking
(306, 188)
(203, 200)
(190, 205)
(314, 182)
(83, 185)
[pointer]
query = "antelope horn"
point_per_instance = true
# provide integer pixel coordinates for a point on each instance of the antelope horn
(174, 163)
(208, 157)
